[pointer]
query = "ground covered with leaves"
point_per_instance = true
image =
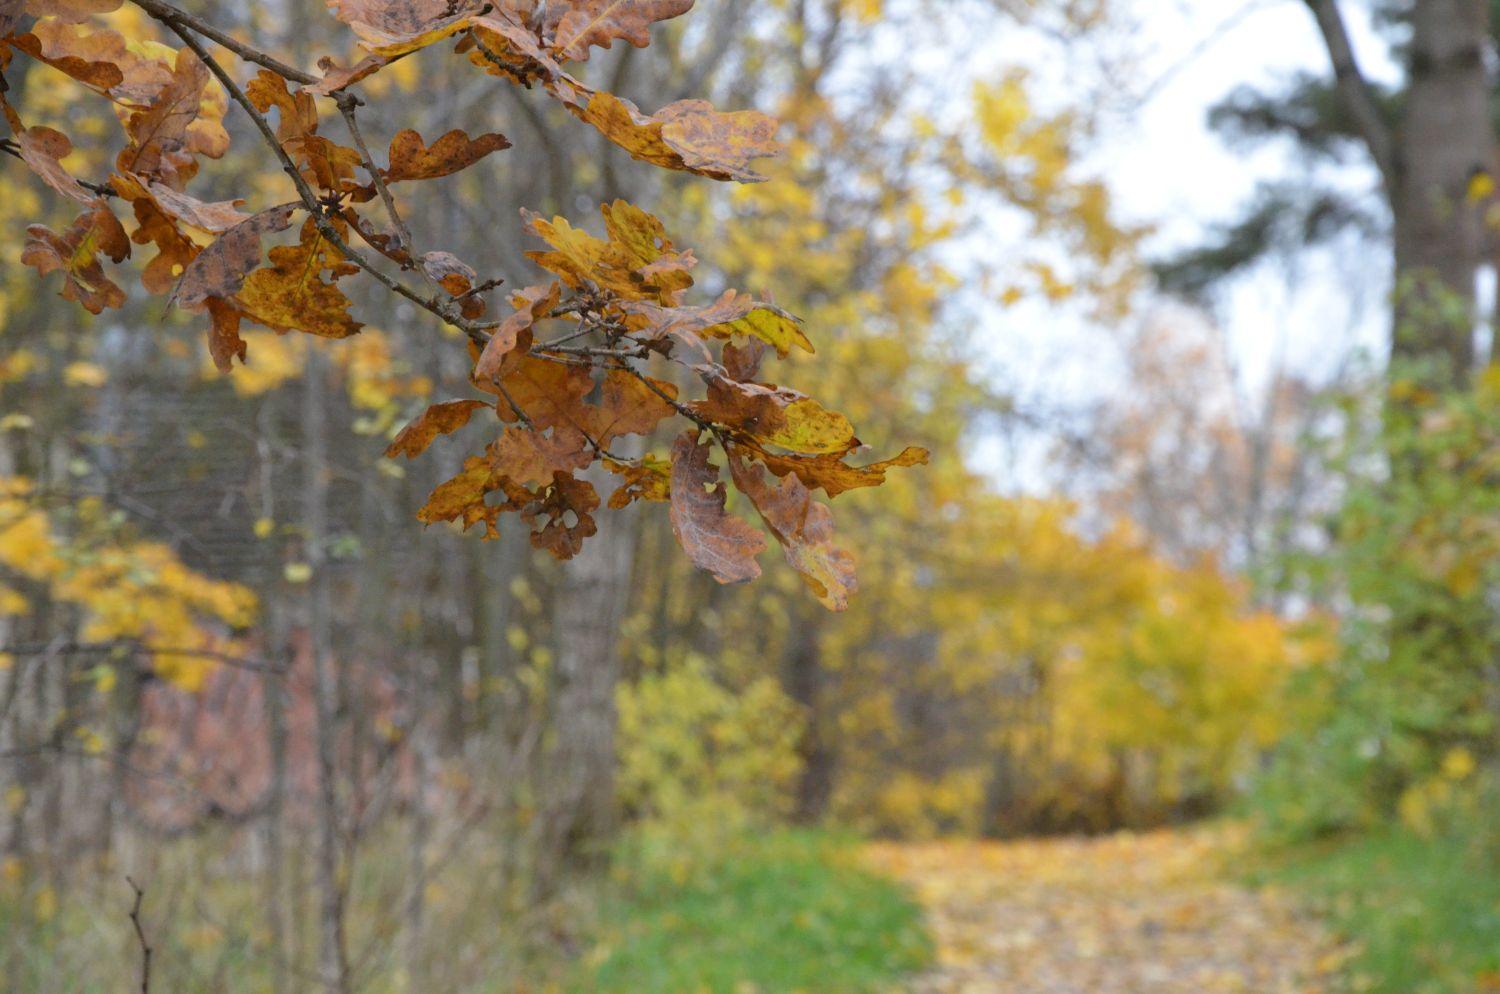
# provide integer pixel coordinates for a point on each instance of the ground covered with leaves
(1125, 914)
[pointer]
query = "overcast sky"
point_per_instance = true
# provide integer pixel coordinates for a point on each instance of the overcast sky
(1167, 169)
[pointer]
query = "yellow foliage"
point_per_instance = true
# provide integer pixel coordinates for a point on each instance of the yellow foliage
(693, 750)
(126, 589)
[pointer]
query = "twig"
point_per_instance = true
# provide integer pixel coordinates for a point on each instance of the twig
(175, 17)
(679, 407)
(140, 936)
(347, 102)
(131, 645)
(310, 199)
(98, 189)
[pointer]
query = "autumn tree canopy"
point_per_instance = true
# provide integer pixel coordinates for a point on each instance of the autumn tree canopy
(597, 351)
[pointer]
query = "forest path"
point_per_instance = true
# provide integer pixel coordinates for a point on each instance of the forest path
(1125, 914)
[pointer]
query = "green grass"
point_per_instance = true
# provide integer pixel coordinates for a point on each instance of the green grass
(774, 914)
(1425, 914)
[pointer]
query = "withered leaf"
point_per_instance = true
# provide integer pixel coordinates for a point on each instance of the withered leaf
(85, 57)
(505, 45)
(98, 57)
(175, 250)
(337, 77)
(11, 12)
(714, 540)
(688, 135)
(394, 27)
(224, 341)
(291, 293)
(567, 496)
(449, 272)
(387, 243)
(71, 10)
(439, 419)
(531, 457)
(582, 24)
(42, 149)
(220, 269)
(742, 362)
(648, 480)
(776, 415)
(637, 261)
(296, 112)
(835, 476)
(733, 314)
(215, 216)
(803, 527)
(465, 497)
(167, 132)
(411, 159)
(76, 253)
(550, 393)
(629, 405)
(531, 305)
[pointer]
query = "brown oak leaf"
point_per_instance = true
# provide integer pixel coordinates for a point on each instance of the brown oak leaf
(733, 314)
(582, 24)
(776, 415)
(549, 393)
(42, 149)
(465, 497)
(629, 405)
(395, 27)
(224, 341)
(803, 527)
(71, 10)
(650, 479)
(411, 159)
(531, 457)
(713, 539)
(291, 294)
(439, 419)
(531, 304)
(689, 135)
(220, 269)
(567, 498)
(76, 253)
(834, 476)
(167, 133)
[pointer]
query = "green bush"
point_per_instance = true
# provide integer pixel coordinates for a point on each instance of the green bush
(1422, 912)
(1412, 567)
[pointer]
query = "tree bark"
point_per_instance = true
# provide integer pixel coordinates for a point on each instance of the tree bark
(1446, 139)
(333, 958)
(804, 682)
(1428, 163)
(580, 766)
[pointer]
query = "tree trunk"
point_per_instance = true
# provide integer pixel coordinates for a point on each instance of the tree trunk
(333, 960)
(1427, 166)
(803, 681)
(1445, 140)
(580, 766)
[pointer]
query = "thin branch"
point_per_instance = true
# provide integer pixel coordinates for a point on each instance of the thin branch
(140, 936)
(1355, 91)
(310, 199)
(176, 17)
(347, 102)
(98, 189)
(679, 407)
(130, 645)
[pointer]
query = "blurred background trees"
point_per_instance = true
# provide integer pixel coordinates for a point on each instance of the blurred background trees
(349, 752)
